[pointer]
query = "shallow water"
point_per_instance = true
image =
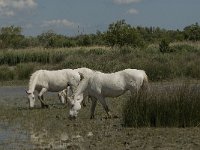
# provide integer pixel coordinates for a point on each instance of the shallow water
(104, 133)
(12, 136)
(17, 97)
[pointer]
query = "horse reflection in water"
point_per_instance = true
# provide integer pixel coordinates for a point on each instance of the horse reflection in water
(64, 140)
(101, 85)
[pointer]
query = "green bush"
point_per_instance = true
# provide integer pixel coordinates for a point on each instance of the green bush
(164, 46)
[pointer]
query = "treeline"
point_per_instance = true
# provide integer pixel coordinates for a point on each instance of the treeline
(118, 33)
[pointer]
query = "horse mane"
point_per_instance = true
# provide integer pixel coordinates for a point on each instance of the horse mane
(32, 81)
(82, 86)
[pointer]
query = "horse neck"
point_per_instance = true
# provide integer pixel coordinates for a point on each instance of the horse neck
(33, 82)
(82, 87)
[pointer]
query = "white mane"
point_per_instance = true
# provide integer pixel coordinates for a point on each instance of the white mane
(33, 80)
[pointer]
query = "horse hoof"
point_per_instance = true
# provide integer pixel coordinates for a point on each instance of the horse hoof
(72, 117)
(92, 117)
(115, 116)
(45, 106)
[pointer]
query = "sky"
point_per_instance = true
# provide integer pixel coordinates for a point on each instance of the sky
(73, 17)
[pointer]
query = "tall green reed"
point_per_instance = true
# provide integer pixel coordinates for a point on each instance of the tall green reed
(171, 106)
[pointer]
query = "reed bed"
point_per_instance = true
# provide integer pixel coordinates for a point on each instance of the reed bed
(164, 106)
(183, 62)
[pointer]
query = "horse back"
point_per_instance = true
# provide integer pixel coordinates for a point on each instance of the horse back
(108, 85)
(54, 80)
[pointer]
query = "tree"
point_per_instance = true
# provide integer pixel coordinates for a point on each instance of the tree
(192, 32)
(11, 37)
(121, 34)
(51, 39)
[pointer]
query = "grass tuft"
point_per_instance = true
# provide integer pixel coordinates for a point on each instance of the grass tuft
(175, 106)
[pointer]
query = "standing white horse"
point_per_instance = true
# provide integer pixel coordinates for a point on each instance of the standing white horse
(53, 81)
(101, 85)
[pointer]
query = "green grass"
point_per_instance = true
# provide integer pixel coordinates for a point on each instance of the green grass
(172, 106)
(44, 56)
(183, 62)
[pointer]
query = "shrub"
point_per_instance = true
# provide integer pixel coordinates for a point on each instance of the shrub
(164, 46)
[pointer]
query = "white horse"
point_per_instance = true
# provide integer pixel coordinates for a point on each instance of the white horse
(53, 81)
(64, 94)
(101, 85)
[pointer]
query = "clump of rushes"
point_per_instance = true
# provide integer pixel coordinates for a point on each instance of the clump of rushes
(175, 106)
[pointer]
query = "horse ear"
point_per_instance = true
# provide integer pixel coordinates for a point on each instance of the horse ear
(81, 76)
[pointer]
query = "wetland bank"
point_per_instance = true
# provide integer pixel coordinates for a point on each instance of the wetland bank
(22, 128)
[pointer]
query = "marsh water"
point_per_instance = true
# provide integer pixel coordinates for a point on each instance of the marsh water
(21, 128)
(13, 136)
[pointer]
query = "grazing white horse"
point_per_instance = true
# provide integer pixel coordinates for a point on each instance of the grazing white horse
(64, 94)
(83, 72)
(100, 85)
(53, 81)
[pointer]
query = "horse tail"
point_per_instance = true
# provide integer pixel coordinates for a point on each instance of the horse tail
(145, 83)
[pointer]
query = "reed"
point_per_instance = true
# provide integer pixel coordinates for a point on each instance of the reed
(183, 62)
(164, 106)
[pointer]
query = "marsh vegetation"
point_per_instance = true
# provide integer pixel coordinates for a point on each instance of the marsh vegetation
(170, 59)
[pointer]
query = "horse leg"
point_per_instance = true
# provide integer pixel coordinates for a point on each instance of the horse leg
(83, 101)
(105, 106)
(41, 98)
(94, 103)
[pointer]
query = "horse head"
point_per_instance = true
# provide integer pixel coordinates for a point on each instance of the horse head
(75, 105)
(31, 98)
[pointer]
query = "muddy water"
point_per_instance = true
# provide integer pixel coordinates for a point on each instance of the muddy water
(16, 96)
(51, 128)
(12, 136)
